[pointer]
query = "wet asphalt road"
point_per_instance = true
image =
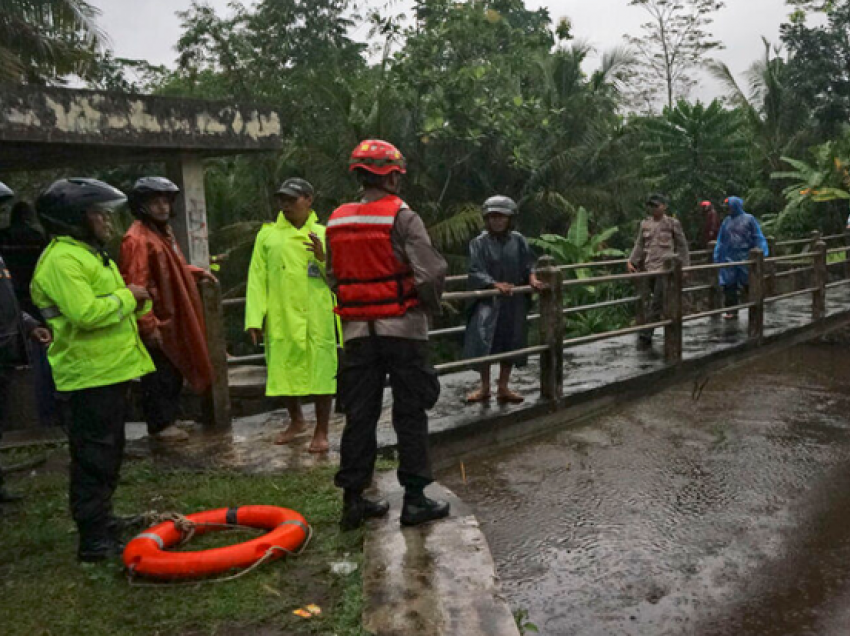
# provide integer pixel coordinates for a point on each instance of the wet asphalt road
(726, 515)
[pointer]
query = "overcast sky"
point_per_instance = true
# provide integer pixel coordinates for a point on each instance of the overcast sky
(149, 29)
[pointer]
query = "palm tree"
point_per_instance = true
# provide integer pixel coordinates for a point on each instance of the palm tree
(698, 149)
(45, 40)
(775, 115)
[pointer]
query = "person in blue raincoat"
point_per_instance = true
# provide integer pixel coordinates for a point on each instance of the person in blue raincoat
(500, 259)
(739, 234)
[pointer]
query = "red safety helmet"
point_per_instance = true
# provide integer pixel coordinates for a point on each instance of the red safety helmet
(377, 157)
(705, 204)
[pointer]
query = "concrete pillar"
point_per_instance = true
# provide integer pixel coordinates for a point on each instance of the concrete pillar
(190, 218)
(551, 329)
(191, 230)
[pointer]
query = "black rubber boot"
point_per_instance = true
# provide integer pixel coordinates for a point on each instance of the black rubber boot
(98, 545)
(418, 509)
(96, 552)
(356, 509)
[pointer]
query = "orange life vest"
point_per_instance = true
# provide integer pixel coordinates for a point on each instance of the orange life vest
(372, 282)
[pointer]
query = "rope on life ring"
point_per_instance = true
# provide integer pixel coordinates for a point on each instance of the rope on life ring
(147, 554)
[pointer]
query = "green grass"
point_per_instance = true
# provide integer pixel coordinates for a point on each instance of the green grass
(45, 590)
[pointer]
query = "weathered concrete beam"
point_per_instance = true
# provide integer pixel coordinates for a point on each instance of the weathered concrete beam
(50, 127)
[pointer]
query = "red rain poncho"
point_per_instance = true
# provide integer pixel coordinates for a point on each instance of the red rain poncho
(153, 259)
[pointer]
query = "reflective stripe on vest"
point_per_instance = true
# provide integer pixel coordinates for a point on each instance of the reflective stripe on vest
(358, 219)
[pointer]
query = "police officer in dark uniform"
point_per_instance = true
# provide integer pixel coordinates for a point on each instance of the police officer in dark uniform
(15, 327)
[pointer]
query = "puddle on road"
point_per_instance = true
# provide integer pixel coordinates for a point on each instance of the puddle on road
(729, 515)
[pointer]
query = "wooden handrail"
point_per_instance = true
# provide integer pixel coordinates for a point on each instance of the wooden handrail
(793, 294)
(473, 363)
(710, 266)
(574, 342)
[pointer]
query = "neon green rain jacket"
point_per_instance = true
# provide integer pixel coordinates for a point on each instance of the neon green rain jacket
(289, 298)
(92, 315)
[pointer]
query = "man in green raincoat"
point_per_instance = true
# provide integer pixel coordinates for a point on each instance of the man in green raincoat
(290, 305)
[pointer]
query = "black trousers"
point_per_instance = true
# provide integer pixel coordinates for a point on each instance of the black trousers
(161, 393)
(655, 313)
(95, 422)
(731, 295)
(5, 375)
(366, 363)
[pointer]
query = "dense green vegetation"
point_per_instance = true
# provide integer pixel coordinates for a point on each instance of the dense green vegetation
(490, 96)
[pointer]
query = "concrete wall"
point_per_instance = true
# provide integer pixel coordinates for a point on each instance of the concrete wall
(46, 127)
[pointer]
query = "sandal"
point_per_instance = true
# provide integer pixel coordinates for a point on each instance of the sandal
(478, 396)
(509, 397)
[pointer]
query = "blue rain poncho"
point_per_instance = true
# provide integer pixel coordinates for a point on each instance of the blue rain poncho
(739, 234)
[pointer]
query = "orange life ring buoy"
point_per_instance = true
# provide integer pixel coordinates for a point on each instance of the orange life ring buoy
(147, 553)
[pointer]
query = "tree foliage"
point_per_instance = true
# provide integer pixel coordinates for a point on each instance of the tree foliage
(484, 97)
(45, 40)
(674, 42)
(820, 61)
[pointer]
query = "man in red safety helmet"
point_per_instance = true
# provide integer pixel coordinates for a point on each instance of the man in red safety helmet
(388, 278)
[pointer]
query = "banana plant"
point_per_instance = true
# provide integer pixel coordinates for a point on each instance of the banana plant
(578, 246)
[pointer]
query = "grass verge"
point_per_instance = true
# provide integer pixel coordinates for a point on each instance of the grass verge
(45, 590)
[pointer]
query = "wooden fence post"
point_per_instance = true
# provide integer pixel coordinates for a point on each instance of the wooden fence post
(770, 269)
(820, 280)
(673, 310)
(757, 293)
(847, 254)
(216, 402)
(715, 295)
(551, 329)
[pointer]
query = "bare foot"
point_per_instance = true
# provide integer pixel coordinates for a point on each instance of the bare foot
(506, 395)
(319, 445)
(292, 431)
(478, 396)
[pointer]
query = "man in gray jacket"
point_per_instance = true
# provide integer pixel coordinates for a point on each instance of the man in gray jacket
(388, 278)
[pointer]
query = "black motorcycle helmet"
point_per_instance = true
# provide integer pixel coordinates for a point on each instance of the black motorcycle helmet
(63, 205)
(6, 193)
(148, 187)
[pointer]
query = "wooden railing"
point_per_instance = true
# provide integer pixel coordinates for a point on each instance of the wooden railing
(765, 275)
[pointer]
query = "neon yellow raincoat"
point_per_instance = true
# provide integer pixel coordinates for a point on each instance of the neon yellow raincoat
(290, 300)
(92, 315)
